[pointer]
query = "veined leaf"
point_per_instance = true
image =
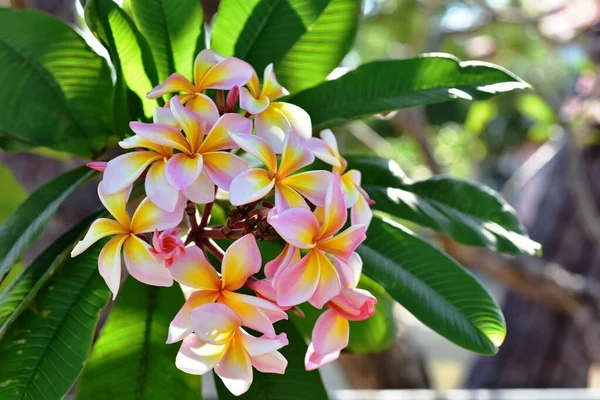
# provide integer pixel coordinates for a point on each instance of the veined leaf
(130, 360)
(262, 32)
(467, 211)
(29, 220)
(46, 348)
(385, 86)
(321, 49)
(433, 287)
(296, 384)
(172, 29)
(57, 90)
(129, 53)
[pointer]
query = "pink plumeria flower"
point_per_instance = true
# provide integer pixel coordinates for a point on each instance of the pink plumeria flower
(289, 186)
(326, 149)
(315, 277)
(167, 246)
(211, 71)
(221, 343)
(201, 162)
(99, 166)
(242, 259)
(273, 120)
(140, 263)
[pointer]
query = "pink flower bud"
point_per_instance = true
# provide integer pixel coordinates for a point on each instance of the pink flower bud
(232, 99)
(354, 304)
(167, 246)
(99, 166)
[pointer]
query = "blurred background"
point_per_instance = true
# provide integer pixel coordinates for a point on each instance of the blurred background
(539, 148)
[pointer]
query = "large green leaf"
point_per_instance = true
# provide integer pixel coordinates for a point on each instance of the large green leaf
(130, 360)
(321, 48)
(385, 86)
(46, 348)
(29, 220)
(57, 91)
(172, 29)
(13, 193)
(26, 285)
(262, 32)
(129, 53)
(297, 383)
(433, 287)
(467, 211)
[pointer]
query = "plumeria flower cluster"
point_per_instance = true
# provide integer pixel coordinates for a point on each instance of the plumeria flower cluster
(184, 157)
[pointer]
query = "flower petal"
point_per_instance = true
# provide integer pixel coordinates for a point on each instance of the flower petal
(223, 167)
(329, 282)
(214, 323)
(314, 360)
(100, 228)
(252, 104)
(286, 197)
(335, 213)
(271, 88)
(181, 326)
(191, 123)
(271, 310)
(295, 155)
(311, 184)
(258, 148)
(174, 83)
(116, 203)
(158, 189)
(192, 269)
(226, 74)
(345, 243)
(164, 116)
(149, 217)
(298, 282)
(219, 137)
(323, 152)
(289, 255)
(242, 259)
(331, 333)
(349, 188)
(354, 304)
(251, 315)
(182, 170)
(204, 61)
(235, 368)
(160, 134)
(297, 226)
(203, 105)
(249, 186)
(361, 212)
(123, 170)
(142, 265)
(138, 142)
(297, 117)
(273, 363)
(197, 357)
(109, 263)
(272, 126)
(259, 346)
(349, 270)
(202, 190)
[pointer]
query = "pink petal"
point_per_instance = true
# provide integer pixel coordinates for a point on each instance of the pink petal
(286, 197)
(273, 363)
(295, 155)
(138, 142)
(297, 226)
(203, 105)
(182, 170)
(258, 148)
(354, 304)
(289, 255)
(220, 136)
(181, 326)
(335, 209)
(142, 265)
(123, 170)
(271, 87)
(192, 124)
(272, 126)
(99, 166)
(235, 368)
(349, 270)
(158, 189)
(242, 259)
(345, 243)
(202, 190)
(253, 311)
(361, 212)
(298, 282)
(192, 269)
(174, 83)
(109, 263)
(204, 61)
(311, 184)
(223, 167)
(252, 104)
(116, 203)
(214, 323)
(164, 116)
(314, 360)
(259, 346)
(250, 185)
(331, 333)
(149, 217)
(329, 283)
(100, 228)
(162, 135)
(225, 75)
(323, 152)
(349, 187)
(197, 357)
(297, 117)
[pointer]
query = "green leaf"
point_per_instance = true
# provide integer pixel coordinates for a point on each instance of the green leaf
(262, 32)
(13, 193)
(384, 86)
(172, 29)
(130, 360)
(26, 224)
(467, 211)
(321, 49)
(25, 286)
(46, 348)
(295, 384)
(129, 53)
(433, 287)
(60, 90)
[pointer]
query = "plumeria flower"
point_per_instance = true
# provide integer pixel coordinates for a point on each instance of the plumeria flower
(221, 343)
(289, 187)
(315, 277)
(242, 259)
(139, 261)
(99, 166)
(273, 120)
(211, 71)
(200, 163)
(167, 246)
(331, 331)
(326, 149)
